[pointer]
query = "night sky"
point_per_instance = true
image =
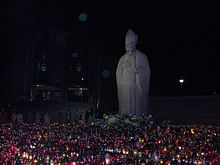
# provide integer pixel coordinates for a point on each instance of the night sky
(180, 38)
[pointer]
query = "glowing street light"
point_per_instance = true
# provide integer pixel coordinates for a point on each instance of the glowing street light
(181, 81)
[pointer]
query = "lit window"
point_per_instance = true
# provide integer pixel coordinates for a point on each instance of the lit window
(43, 67)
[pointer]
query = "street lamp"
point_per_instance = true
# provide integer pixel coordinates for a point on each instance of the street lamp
(181, 81)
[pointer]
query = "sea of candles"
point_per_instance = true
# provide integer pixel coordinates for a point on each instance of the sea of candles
(99, 143)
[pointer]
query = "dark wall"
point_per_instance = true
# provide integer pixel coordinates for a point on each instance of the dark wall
(190, 110)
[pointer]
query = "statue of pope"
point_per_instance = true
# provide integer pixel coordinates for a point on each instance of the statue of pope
(133, 78)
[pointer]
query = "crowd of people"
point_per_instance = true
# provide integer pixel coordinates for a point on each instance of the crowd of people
(18, 117)
(45, 117)
(94, 143)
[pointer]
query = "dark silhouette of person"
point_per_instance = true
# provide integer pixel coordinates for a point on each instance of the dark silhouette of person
(87, 116)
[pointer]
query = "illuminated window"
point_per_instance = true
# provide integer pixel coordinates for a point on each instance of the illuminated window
(43, 67)
(78, 91)
(78, 67)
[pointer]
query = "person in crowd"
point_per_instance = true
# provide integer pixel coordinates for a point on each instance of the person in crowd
(29, 117)
(92, 113)
(37, 117)
(20, 118)
(87, 116)
(62, 117)
(4, 115)
(1, 116)
(80, 117)
(68, 116)
(47, 117)
(76, 116)
(13, 117)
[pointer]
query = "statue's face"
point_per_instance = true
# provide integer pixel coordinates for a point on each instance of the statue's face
(130, 41)
(130, 47)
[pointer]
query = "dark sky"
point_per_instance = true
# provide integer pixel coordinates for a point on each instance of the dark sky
(180, 38)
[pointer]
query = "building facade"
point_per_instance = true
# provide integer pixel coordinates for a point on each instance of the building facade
(56, 65)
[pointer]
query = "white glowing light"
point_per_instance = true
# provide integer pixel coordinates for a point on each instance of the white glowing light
(181, 81)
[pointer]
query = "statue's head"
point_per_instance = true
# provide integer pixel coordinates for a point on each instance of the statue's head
(130, 41)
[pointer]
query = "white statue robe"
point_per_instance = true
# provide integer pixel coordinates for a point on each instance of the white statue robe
(133, 81)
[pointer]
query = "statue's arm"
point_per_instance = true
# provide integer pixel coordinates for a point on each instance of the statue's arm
(118, 70)
(122, 64)
(142, 65)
